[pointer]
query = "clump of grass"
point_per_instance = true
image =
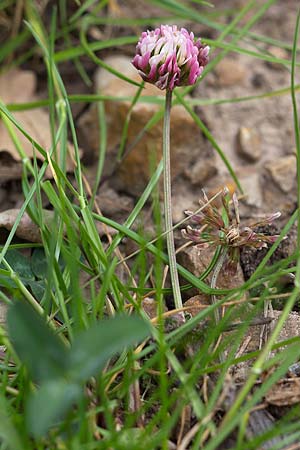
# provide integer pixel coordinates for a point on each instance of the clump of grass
(69, 380)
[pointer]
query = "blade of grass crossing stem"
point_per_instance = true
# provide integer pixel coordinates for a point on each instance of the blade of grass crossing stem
(183, 287)
(297, 136)
(143, 243)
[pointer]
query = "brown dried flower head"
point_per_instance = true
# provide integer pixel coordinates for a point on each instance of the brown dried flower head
(217, 228)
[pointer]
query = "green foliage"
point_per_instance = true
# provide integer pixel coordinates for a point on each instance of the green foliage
(68, 379)
(60, 370)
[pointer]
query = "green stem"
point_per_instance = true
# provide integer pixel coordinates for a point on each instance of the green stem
(213, 285)
(168, 202)
(214, 279)
(297, 134)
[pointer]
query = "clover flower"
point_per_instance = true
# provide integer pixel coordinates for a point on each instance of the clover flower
(225, 230)
(168, 57)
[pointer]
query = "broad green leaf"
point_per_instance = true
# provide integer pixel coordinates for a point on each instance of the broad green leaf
(40, 349)
(93, 348)
(38, 289)
(20, 264)
(49, 404)
(38, 262)
(7, 282)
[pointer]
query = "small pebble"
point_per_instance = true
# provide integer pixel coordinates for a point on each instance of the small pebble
(249, 144)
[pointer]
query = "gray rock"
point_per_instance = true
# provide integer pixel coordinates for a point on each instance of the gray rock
(201, 171)
(230, 72)
(251, 183)
(249, 144)
(112, 203)
(279, 53)
(283, 172)
(196, 261)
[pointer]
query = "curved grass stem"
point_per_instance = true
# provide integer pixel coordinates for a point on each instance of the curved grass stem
(168, 202)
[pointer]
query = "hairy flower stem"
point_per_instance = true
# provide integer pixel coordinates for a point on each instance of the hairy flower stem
(213, 285)
(168, 202)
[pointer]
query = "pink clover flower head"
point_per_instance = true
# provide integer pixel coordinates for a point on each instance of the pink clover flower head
(168, 57)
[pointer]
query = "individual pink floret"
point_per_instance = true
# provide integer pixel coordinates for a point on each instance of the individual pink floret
(168, 57)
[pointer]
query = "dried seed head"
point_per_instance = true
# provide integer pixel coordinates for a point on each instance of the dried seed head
(227, 232)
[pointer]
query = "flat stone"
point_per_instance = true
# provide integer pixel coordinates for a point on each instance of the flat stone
(112, 203)
(250, 179)
(150, 307)
(197, 260)
(20, 85)
(230, 72)
(201, 171)
(180, 204)
(187, 143)
(283, 172)
(249, 144)
(279, 53)
(196, 304)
